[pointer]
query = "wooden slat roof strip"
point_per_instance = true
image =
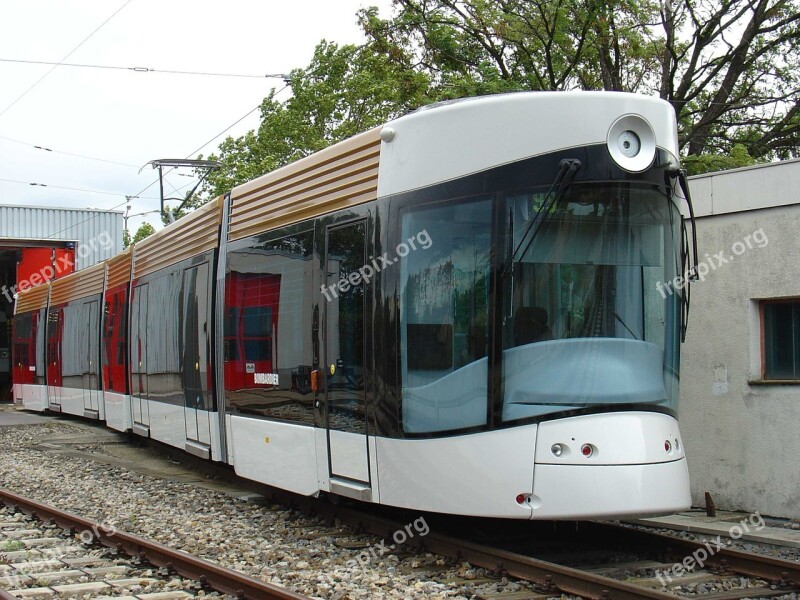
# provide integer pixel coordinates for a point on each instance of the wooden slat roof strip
(327, 156)
(177, 252)
(83, 283)
(342, 188)
(33, 298)
(343, 175)
(119, 269)
(195, 233)
(307, 212)
(370, 153)
(322, 186)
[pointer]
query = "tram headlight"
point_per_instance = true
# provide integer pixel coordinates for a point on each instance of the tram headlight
(629, 143)
(557, 449)
(632, 143)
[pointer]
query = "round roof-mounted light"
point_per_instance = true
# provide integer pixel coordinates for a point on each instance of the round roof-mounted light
(632, 143)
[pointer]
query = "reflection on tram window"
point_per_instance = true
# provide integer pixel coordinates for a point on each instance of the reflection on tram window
(344, 352)
(29, 347)
(161, 325)
(267, 327)
(443, 317)
(80, 345)
(196, 363)
(114, 341)
(584, 324)
(169, 337)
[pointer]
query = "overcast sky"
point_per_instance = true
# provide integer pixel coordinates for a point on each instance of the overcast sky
(134, 117)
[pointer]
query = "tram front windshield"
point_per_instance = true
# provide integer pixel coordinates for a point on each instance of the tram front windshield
(591, 316)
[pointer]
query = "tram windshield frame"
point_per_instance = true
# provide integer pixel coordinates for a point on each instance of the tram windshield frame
(591, 318)
(586, 319)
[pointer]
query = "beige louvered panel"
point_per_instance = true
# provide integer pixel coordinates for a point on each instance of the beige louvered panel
(194, 234)
(83, 283)
(343, 175)
(119, 269)
(32, 299)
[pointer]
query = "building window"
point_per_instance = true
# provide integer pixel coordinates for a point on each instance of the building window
(781, 327)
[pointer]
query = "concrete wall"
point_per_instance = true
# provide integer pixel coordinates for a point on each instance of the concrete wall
(742, 436)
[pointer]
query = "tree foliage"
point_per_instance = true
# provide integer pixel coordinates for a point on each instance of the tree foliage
(728, 67)
(145, 230)
(706, 163)
(343, 91)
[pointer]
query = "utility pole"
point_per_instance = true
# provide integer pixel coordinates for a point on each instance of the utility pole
(198, 165)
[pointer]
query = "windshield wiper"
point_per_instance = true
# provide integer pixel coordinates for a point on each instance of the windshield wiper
(618, 318)
(568, 168)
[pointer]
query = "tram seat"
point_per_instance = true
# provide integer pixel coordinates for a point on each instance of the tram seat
(530, 325)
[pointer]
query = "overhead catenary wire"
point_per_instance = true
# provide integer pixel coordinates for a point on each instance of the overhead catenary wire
(147, 187)
(66, 56)
(62, 187)
(145, 69)
(86, 156)
(236, 122)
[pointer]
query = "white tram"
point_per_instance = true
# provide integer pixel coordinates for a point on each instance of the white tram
(463, 311)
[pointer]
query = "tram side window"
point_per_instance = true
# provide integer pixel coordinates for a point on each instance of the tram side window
(267, 327)
(55, 330)
(162, 322)
(194, 348)
(29, 346)
(79, 342)
(444, 291)
(74, 355)
(23, 326)
(23, 342)
(114, 341)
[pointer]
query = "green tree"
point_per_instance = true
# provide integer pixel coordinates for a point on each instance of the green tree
(706, 163)
(344, 90)
(145, 230)
(727, 66)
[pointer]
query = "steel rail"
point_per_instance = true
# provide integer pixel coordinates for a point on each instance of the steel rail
(776, 570)
(552, 576)
(549, 576)
(224, 580)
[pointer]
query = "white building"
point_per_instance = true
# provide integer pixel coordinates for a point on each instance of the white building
(740, 365)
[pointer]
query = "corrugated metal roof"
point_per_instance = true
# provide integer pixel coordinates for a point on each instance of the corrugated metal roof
(97, 233)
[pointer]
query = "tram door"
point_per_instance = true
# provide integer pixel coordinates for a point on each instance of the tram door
(195, 371)
(344, 360)
(91, 380)
(55, 327)
(138, 357)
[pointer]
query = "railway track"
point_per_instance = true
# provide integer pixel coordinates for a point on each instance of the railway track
(598, 561)
(53, 553)
(587, 566)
